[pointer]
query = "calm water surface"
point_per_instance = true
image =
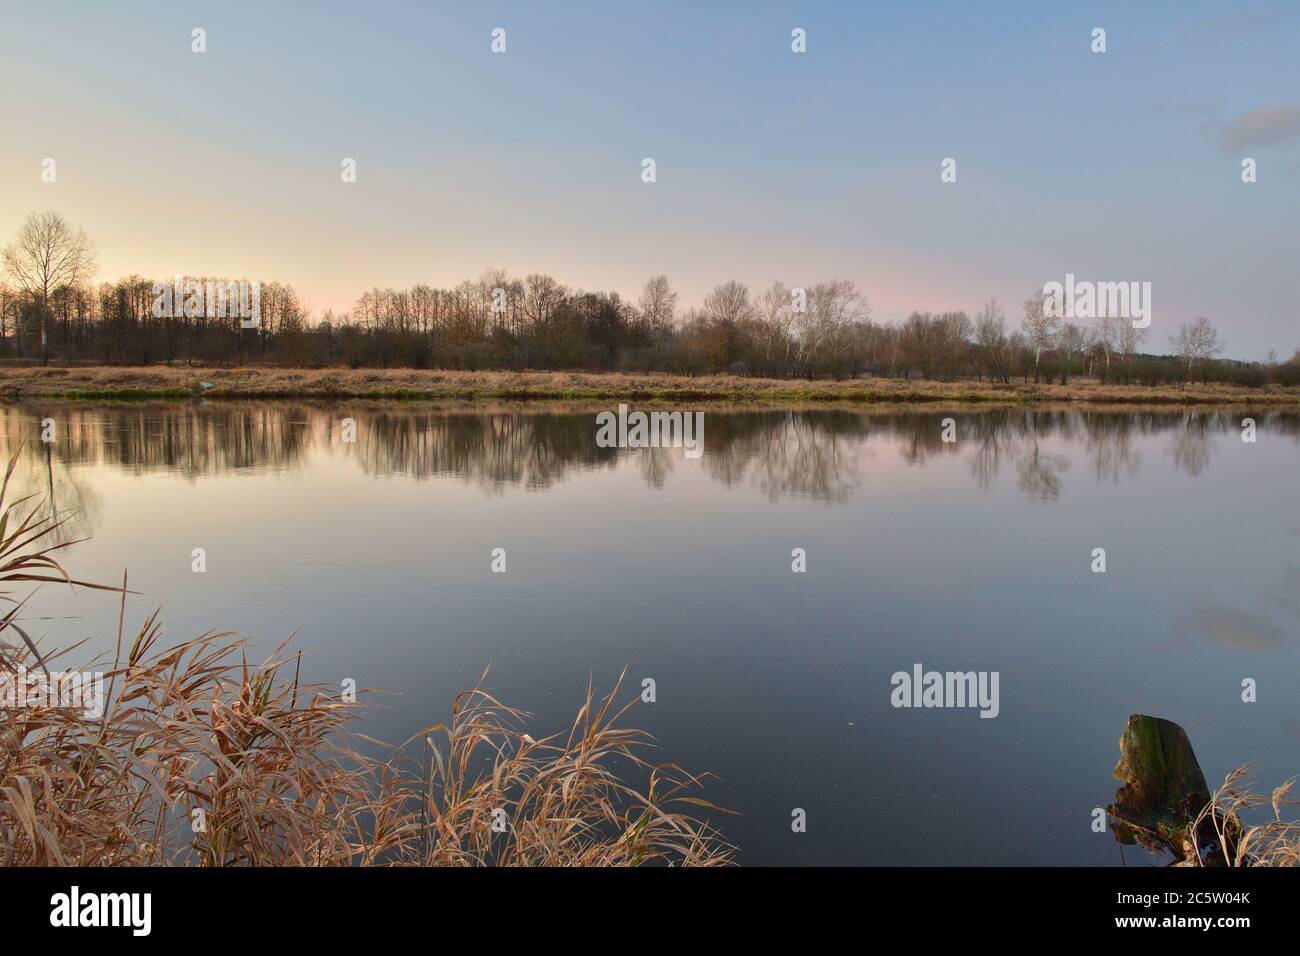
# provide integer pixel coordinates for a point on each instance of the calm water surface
(967, 556)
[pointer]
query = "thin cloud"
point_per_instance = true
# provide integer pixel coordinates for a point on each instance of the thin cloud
(1269, 126)
(1236, 629)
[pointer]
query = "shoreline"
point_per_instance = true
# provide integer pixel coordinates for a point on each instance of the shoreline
(145, 383)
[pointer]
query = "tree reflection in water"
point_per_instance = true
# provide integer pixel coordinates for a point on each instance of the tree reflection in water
(820, 453)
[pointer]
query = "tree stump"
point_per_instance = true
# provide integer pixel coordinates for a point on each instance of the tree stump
(1162, 787)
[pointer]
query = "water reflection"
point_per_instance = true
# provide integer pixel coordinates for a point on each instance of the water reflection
(818, 453)
(488, 450)
(1193, 446)
(1236, 629)
(974, 552)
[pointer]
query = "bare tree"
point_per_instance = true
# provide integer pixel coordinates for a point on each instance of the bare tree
(1106, 336)
(1127, 339)
(957, 328)
(1040, 325)
(991, 337)
(658, 304)
(48, 255)
(774, 328)
(1196, 342)
(822, 329)
(8, 303)
(729, 302)
(1073, 339)
(543, 297)
(920, 343)
(498, 311)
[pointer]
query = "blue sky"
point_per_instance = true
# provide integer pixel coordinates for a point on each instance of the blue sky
(771, 165)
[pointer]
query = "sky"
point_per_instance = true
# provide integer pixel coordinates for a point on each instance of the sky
(770, 164)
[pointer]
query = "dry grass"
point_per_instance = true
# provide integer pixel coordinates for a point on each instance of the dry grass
(114, 382)
(1222, 837)
(200, 759)
(561, 797)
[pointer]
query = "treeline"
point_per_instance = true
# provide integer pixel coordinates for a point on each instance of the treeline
(500, 322)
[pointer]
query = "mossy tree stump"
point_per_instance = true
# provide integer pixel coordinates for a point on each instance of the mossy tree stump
(1163, 789)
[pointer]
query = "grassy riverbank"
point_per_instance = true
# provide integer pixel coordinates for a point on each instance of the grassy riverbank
(161, 382)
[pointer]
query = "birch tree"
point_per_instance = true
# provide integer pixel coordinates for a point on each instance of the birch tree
(1196, 341)
(1041, 327)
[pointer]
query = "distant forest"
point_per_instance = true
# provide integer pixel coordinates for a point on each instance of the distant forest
(51, 310)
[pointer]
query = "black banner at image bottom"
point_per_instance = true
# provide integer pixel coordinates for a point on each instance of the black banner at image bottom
(341, 906)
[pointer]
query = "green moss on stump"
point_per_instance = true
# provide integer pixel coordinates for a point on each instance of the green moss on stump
(1162, 787)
